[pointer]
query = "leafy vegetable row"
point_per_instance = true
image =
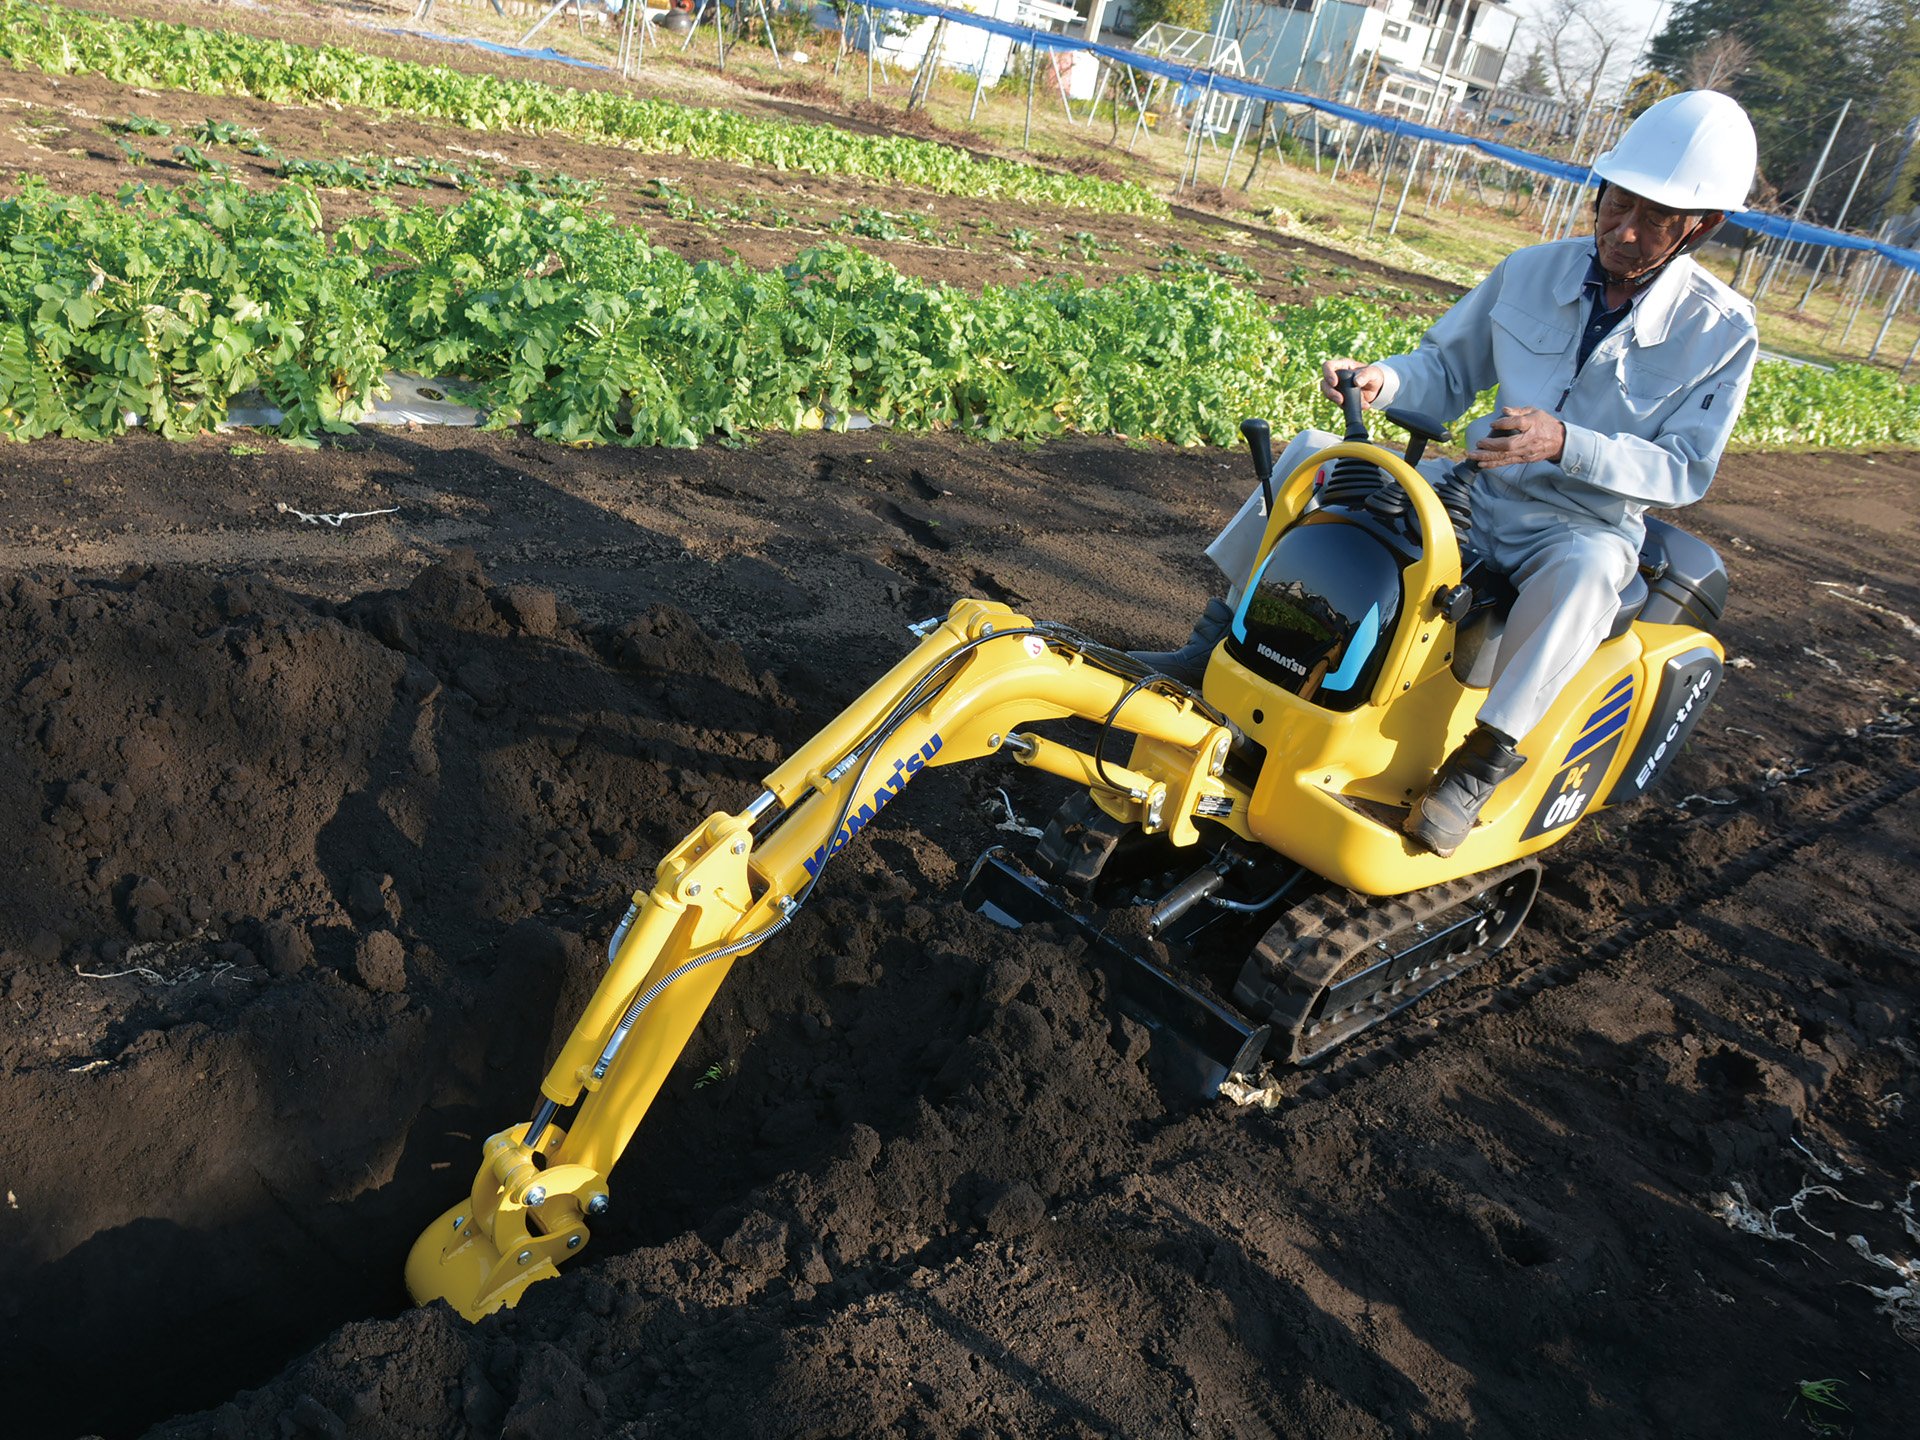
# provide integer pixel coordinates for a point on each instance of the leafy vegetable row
(165, 305)
(144, 52)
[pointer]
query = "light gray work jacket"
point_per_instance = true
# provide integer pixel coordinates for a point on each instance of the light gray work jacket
(1647, 416)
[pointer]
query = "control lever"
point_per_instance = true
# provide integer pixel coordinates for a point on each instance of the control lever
(1259, 436)
(1349, 390)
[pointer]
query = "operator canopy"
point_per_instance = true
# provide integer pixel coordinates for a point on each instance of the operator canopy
(1692, 151)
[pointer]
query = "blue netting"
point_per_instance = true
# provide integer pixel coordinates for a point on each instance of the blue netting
(1201, 80)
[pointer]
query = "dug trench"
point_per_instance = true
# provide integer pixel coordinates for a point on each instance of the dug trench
(320, 831)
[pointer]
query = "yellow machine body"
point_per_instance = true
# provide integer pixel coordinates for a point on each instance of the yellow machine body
(1335, 784)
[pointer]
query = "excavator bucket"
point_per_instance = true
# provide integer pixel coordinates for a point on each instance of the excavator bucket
(1200, 1042)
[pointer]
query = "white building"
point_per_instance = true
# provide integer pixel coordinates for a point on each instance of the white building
(902, 40)
(1424, 59)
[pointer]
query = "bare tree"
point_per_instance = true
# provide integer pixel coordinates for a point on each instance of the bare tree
(1574, 39)
(1717, 63)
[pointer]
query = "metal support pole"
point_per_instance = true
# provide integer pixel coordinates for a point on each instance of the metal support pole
(1569, 216)
(1840, 224)
(1313, 25)
(1806, 195)
(1915, 351)
(1196, 134)
(1380, 195)
(1140, 121)
(1747, 259)
(1867, 282)
(541, 23)
(1100, 91)
(1442, 168)
(634, 25)
(1553, 205)
(980, 83)
(871, 42)
(1899, 297)
(1026, 138)
(923, 76)
(766, 24)
(1239, 135)
(1419, 149)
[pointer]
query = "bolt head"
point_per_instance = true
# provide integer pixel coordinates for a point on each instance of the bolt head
(694, 888)
(597, 1205)
(458, 1221)
(524, 1256)
(536, 1197)
(740, 846)
(573, 1242)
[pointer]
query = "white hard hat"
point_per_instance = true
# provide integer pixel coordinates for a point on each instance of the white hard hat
(1691, 151)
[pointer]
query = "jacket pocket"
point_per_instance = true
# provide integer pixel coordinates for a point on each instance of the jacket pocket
(1647, 390)
(1541, 336)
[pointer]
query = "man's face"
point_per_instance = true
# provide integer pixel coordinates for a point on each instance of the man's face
(1634, 235)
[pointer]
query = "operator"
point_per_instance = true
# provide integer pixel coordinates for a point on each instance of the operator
(1621, 366)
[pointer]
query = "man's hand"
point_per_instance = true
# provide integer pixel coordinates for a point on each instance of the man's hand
(1520, 436)
(1369, 378)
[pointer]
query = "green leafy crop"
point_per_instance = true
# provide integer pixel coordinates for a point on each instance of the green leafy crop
(159, 307)
(143, 52)
(163, 305)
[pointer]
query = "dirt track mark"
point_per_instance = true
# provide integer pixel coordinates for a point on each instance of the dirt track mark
(921, 531)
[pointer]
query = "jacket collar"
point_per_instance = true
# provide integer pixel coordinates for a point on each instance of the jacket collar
(1653, 307)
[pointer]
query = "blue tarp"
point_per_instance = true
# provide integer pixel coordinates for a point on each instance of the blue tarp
(518, 52)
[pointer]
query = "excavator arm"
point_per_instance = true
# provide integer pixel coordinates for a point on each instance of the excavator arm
(739, 879)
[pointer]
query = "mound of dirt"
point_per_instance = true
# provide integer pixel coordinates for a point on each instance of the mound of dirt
(307, 890)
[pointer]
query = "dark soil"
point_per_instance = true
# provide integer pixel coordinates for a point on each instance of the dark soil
(320, 831)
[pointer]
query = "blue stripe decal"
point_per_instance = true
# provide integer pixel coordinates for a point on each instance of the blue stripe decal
(1586, 743)
(1605, 713)
(1609, 714)
(1359, 648)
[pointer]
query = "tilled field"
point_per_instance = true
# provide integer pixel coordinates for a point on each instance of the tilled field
(320, 830)
(329, 773)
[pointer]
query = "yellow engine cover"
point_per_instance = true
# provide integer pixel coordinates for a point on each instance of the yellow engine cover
(1335, 785)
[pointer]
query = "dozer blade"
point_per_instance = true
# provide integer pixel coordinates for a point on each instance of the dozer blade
(1202, 1042)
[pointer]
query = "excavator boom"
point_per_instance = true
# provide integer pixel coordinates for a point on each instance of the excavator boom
(738, 880)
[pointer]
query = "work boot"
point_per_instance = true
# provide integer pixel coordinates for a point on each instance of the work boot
(1443, 817)
(1188, 664)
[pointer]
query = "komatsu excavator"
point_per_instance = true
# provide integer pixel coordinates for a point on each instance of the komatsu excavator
(1249, 842)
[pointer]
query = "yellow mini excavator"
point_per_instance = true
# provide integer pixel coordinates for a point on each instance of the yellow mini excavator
(1249, 839)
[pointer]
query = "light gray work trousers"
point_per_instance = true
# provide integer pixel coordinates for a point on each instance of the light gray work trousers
(1569, 575)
